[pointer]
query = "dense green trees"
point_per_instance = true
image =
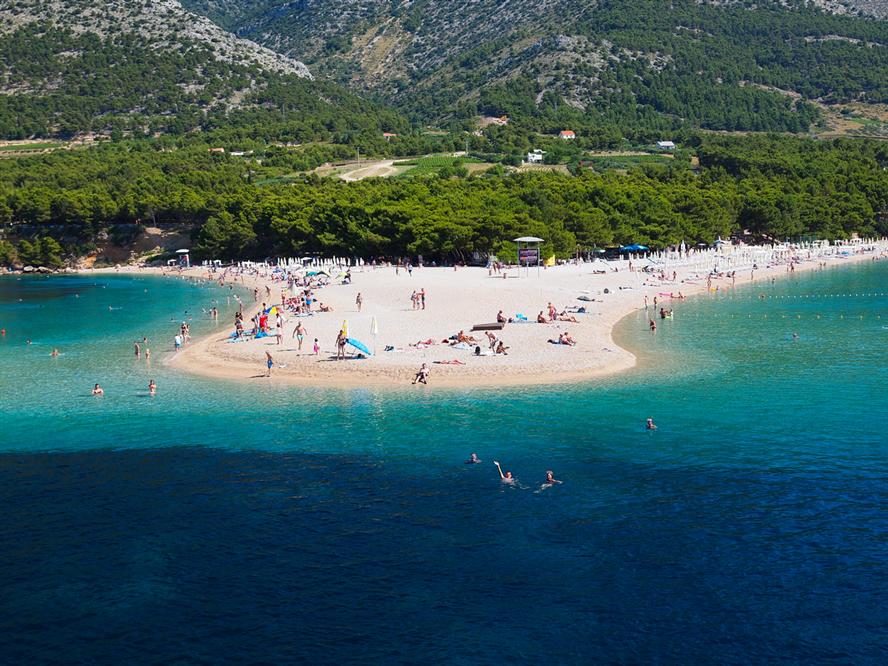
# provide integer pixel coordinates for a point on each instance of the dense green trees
(768, 186)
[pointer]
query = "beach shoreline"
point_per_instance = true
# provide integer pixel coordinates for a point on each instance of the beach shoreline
(457, 299)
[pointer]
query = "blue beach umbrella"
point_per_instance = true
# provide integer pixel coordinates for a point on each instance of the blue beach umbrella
(635, 247)
(360, 346)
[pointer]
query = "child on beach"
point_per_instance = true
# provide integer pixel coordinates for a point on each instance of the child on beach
(316, 348)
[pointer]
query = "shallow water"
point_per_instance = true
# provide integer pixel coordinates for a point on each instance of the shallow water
(247, 522)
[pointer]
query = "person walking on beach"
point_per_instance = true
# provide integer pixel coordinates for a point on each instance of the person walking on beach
(177, 342)
(422, 296)
(299, 334)
(359, 301)
(316, 348)
(269, 364)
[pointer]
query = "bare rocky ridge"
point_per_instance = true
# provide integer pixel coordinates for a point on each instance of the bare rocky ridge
(160, 23)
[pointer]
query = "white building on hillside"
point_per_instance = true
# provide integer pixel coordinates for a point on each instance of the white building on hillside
(535, 156)
(665, 145)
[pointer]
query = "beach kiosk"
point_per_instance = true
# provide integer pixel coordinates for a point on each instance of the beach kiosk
(529, 255)
(184, 258)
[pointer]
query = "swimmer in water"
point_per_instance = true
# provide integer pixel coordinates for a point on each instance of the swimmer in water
(550, 479)
(473, 459)
(795, 336)
(54, 353)
(98, 390)
(152, 388)
(650, 425)
(505, 478)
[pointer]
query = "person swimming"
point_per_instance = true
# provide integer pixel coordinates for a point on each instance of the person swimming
(473, 459)
(550, 478)
(650, 425)
(98, 390)
(152, 388)
(505, 478)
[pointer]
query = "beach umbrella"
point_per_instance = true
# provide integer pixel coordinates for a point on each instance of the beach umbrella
(374, 331)
(360, 346)
(345, 327)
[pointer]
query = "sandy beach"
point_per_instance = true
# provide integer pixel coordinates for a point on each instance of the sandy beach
(456, 300)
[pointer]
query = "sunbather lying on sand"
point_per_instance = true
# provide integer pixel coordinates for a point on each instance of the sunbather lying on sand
(564, 316)
(462, 337)
(564, 339)
(423, 343)
(455, 361)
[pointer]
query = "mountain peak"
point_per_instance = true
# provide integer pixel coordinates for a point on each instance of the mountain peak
(158, 23)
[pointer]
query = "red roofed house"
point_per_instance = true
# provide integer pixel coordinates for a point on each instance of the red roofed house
(567, 135)
(388, 136)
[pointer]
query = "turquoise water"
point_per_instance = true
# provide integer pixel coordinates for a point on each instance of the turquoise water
(225, 521)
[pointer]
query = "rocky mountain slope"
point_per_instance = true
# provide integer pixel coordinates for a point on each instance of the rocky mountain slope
(683, 61)
(73, 67)
(159, 24)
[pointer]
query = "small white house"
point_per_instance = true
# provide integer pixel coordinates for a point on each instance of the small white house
(567, 135)
(535, 156)
(665, 145)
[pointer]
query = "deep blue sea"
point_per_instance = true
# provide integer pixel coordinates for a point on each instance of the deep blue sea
(237, 523)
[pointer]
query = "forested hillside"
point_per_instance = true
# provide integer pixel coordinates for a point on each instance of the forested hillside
(142, 68)
(769, 187)
(720, 65)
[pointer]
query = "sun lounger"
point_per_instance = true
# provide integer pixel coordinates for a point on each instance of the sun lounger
(495, 326)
